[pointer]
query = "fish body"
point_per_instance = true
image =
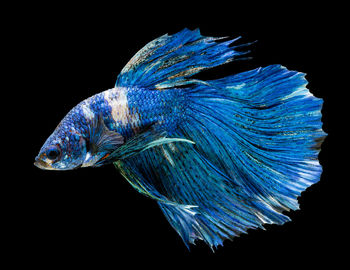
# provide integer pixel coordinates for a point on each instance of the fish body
(125, 111)
(219, 157)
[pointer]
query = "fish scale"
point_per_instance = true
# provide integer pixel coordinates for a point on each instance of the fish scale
(143, 107)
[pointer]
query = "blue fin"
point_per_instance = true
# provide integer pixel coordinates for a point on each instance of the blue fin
(263, 129)
(198, 200)
(257, 136)
(168, 61)
(147, 139)
(100, 142)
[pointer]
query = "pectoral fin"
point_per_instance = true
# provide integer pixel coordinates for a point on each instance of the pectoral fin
(101, 143)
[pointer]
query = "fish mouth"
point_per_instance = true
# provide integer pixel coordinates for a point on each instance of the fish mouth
(42, 165)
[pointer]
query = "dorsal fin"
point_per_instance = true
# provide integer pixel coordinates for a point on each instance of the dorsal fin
(170, 60)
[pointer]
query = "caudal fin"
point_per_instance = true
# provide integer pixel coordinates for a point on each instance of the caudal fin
(263, 130)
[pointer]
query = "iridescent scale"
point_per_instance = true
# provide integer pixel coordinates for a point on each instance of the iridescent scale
(129, 110)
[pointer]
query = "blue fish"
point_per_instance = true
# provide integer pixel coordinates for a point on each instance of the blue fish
(219, 156)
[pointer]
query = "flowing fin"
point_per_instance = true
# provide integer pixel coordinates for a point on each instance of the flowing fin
(263, 130)
(101, 138)
(149, 138)
(168, 61)
(257, 137)
(198, 200)
(100, 142)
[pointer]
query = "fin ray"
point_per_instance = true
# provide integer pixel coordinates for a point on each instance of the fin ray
(254, 153)
(246, 149)
(168, 61)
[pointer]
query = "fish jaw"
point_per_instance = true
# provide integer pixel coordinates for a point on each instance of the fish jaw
(43, 165)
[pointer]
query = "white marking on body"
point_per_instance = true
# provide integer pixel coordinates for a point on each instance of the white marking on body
(87, 112)
(117, 100)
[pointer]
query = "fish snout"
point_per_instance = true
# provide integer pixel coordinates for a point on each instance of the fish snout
(42, 164)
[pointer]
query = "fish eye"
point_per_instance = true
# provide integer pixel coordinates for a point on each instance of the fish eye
(53, 152)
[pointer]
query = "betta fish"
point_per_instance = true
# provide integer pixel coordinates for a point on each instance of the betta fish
(218, 156)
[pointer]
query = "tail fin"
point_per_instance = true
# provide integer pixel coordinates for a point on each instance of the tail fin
(263, 130)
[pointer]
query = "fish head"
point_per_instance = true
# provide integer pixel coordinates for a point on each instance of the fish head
(65, 149)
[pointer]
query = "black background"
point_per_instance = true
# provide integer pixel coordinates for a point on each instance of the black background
(92, 216)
